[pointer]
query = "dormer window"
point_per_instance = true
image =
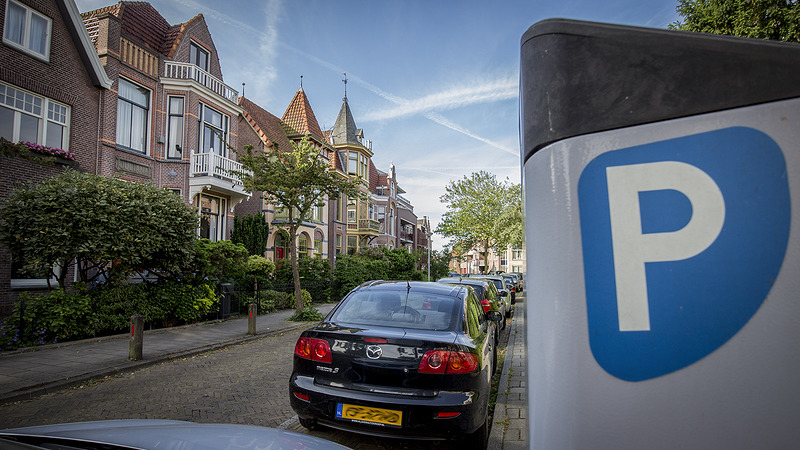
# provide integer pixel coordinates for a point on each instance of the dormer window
(198, 57)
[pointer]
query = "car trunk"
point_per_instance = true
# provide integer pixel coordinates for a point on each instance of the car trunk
(381, 360)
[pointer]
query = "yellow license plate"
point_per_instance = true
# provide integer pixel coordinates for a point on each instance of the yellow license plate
(369, 415)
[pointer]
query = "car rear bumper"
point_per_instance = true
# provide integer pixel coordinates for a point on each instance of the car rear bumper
(419, 414)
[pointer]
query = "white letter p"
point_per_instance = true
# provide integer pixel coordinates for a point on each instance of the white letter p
(633, 248)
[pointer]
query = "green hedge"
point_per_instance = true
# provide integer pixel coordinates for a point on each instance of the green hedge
(60, 315)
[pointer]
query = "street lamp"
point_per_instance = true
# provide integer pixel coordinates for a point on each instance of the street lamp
(429, 234)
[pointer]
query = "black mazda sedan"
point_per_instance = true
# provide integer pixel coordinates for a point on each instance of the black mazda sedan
(410, 360)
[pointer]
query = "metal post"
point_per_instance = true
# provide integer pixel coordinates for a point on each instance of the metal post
(429, 234)
(137, 338)
(251, 319)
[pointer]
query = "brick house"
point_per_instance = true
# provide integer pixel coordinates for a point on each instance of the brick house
(268, 131)
(168, 118)
(51, 93)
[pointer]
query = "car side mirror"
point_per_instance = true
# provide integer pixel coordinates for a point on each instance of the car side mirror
(503, 294)
(494, 316)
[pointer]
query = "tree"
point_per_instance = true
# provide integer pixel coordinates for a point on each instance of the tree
(777, 20)
(104, 226)
(509, 227)
(252, 231)
(474, 206)
(297, 179)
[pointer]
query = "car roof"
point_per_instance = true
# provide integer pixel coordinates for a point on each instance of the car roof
(470, 280)
(416, 286)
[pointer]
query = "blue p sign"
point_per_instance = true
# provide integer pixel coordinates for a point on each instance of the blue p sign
(682, 241)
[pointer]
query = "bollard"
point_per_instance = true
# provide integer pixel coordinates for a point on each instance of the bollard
(137, 337)
(251, 320)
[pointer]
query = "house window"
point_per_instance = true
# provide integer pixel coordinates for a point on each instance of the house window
(21, 280)
(362, 168)
(281, 246)
(175, 128)
(25, 116)
(318, 214)
(352, 245)
(352, 163)
(340, 207)
(302, 249)
(133, 107)
(198, 57)
(338, 243)
(517, 254)
(213, 131)
(212, 217)
(27, 30)
(317, 247)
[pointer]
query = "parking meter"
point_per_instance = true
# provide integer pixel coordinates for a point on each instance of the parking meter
(661, 173)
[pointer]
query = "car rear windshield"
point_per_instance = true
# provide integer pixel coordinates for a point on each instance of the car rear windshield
(422, 311)
(498, 284)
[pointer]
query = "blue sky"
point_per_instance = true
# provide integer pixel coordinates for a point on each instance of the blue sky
(434, 84)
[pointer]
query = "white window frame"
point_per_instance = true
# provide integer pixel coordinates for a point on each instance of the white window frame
(195, 47)
(202, 123)
(28, 283)
(175, 140)
(221, 214)
(21, 101)
(148, 110)
(25, 45)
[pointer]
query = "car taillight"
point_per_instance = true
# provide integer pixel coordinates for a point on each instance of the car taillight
(445, 361)
(486, 305)
(313, 349)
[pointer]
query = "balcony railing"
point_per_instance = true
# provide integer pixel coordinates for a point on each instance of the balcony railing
(186, 71)
(364, 225)
(214, 165)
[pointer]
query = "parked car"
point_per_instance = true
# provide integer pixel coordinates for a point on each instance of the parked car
(157, 434)
(409, 360)
(511, 282)
(506, 289)
(517, 280)
(487, 293)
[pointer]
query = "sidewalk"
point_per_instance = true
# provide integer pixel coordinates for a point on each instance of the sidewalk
(28, 374)
(510, 423)
(50, 368)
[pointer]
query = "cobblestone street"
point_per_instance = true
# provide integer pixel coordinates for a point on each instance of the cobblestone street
(244, 384)
(241, 384)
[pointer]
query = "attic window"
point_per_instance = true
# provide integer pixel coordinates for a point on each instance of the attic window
(198, 57)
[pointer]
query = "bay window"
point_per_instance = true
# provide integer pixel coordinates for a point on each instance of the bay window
(213, 127)
(212, 217)
(133, 108)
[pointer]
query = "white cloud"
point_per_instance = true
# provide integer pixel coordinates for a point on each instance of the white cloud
(457, 97)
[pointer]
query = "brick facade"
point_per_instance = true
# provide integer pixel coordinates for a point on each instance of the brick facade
(64, 79)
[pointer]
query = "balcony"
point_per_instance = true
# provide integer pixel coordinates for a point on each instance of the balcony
(186, 71)
(367, 227)
(407, 236)
(210, 171)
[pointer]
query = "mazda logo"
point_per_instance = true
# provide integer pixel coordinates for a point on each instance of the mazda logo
(374, 352)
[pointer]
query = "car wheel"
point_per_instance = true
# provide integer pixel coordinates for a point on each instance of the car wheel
(479, 439)
(310, 424)
(505, 314)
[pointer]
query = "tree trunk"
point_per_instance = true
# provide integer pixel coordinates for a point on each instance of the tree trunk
(295, 266)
